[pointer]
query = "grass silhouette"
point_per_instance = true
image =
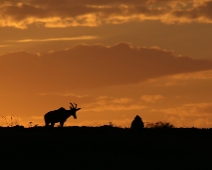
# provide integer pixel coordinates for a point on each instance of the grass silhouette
(157, 145)
(105, 147)
(11, 121)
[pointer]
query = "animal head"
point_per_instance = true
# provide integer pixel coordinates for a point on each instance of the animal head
(74, 109)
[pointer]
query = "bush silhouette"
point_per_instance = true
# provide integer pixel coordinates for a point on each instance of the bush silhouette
(160, 125)
(137, 123)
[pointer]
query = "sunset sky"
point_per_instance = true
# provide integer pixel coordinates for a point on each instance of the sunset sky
(115, 58)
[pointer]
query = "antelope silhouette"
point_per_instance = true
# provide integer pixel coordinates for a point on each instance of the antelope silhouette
(60, 115)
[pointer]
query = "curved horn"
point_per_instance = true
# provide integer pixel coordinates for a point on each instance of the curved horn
(75, 105)
(72, 106)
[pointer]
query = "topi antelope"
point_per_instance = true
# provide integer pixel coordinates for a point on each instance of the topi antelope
(60, 115)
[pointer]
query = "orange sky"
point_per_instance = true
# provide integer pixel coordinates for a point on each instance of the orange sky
(116, 59)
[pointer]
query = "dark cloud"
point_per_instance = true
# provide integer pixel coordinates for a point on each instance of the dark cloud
(94, 66)
(202, 11)
(94, 12)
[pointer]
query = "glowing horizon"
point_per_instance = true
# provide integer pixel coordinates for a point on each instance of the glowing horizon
(115, 59)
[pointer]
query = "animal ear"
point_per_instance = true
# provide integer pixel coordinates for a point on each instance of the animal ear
(78, 109)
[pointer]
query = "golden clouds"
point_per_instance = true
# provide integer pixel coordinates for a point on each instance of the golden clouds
(151, 98)
(95, 13)
(54, 39)
(108, 82)
(197, 75)
(195, 114)
(2, 46)
(106, 103)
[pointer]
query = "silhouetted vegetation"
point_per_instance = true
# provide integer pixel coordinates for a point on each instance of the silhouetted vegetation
(155, 146)
(105, 147)
(11, 121)
(159, 124)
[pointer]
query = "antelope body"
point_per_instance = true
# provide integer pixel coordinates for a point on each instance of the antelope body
(60, 115)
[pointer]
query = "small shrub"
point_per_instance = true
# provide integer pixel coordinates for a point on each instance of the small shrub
(159, 124)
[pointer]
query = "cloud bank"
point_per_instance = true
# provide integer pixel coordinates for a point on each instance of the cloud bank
(94, 66)
(21, 14)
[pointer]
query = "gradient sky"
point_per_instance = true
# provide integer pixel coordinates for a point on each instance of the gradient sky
(115, 58)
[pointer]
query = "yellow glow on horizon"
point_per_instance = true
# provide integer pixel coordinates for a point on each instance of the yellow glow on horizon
(56, 39)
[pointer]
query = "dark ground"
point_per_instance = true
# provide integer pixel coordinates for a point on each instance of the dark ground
(105, 148)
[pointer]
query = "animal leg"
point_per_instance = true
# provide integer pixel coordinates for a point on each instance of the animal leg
(46, 124)
(52, 124)
(61, 124)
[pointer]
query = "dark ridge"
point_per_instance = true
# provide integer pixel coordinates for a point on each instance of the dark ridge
(105, 147)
